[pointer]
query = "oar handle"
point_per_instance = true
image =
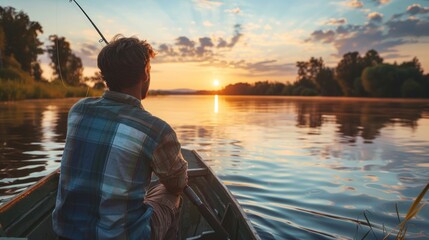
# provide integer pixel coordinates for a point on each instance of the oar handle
(207, 214)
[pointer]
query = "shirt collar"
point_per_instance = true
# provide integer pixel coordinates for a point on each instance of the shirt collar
(122, 98)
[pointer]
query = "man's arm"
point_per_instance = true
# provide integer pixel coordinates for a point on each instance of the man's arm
(169, 164)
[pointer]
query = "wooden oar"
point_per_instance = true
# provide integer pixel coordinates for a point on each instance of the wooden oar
(207, 214)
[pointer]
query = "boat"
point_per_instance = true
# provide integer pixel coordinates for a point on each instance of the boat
(28, 215)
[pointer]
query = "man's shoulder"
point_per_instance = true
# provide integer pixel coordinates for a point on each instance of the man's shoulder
(82, 102)
(146, 118)
(143, 120)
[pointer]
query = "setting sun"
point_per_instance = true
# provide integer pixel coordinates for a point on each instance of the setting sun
(216, 83)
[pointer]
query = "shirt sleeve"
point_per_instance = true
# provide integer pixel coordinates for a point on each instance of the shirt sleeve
(169, 165)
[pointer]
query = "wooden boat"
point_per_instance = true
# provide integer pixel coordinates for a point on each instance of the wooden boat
(28, 215)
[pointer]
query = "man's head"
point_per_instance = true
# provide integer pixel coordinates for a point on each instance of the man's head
(125, 62)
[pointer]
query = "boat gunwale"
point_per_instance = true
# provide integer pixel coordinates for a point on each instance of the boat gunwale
(226, 191)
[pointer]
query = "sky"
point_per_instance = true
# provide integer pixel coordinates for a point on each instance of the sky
(200, 42)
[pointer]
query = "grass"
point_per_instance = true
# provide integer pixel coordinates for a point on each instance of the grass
(400, 230)
(11, 90)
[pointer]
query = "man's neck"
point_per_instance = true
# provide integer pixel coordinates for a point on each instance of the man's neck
(134, 91)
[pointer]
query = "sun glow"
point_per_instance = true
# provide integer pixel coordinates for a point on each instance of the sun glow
(216, 83)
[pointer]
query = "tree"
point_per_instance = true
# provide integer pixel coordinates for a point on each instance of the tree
(66, 65)
(96, 81)
(261, 88)
(309, 70)
(381, 81)
(37, 71)
(413, 64)
(304, 87)
(275, 89)
(371, 59)
(347, 71)
(322, 77)
(20, 35)
(325, 80)
(237, 89)
(2, 43)
(410, 89)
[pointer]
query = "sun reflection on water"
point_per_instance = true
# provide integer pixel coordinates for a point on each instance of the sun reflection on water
(216, 103)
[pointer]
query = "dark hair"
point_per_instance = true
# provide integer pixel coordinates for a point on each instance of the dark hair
(123, 61)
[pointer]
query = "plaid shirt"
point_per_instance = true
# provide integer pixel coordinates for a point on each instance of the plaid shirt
(113, 145)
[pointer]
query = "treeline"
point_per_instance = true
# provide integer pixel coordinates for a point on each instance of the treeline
(20, 71)
(354, 76)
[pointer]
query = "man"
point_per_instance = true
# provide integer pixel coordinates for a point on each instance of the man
(112, 147)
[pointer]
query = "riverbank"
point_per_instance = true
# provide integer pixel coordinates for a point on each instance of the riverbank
(14, 90)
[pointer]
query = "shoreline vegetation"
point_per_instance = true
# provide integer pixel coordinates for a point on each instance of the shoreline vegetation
(354, 75)
(14, 91)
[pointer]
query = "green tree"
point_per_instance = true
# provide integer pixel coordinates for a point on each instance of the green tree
(309, 70)
(325, 81)
(413, 64)
(304, 87)
(347, 71)
(20, 35)
(2, 43)
(96, 81)
(371, 58)
(37, 71)
(323, 77)
(425, 86)
(237, 89)
(66, 65)
(410, 89)
(393, 80)
(261, 88)
(275, 89)
(381, 80)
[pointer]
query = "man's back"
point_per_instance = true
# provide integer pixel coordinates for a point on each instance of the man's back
(106, 166)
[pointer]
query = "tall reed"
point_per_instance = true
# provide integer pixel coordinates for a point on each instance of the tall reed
(400, 230)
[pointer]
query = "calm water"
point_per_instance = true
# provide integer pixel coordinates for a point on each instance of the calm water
(302, 168)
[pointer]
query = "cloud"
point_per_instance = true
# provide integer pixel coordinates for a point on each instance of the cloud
(89, 49)
(166, 50)
(334, 21)
(208, 51)
(204, 49)
(375, 34)
(233, 10)
(412, 10)
(88, 54)
(322, 36)
(236, 37)
(208, 24)
(259, 68)
(268, 27)
(353, 4)
(408, 28)
(184, 41)
(207, 4)
(381, 2)
(375, 16)
(222, 43)
(417, 9)
(394, 56)
(205, 43)
(359, 3)
(268, 66)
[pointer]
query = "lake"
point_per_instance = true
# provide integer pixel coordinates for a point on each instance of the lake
(302, 168)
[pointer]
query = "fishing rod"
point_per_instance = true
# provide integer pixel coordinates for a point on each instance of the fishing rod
(103, 39)
(189, 192)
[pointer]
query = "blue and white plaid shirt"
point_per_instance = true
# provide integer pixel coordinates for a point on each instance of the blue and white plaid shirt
(113, 145)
